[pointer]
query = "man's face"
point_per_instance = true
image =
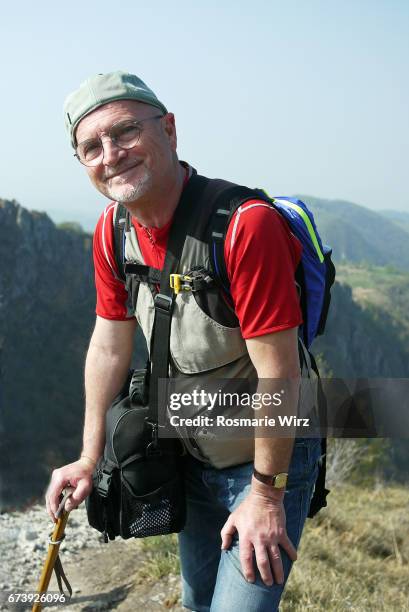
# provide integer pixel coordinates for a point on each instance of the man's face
(127, 175)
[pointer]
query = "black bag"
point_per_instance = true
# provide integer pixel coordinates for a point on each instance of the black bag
(138, 487)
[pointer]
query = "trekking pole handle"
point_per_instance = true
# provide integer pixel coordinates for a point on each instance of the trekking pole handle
(54, 543)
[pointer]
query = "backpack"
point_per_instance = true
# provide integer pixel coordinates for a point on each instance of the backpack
(314, 276)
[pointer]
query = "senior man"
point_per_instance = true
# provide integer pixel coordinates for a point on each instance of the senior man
(241, 531)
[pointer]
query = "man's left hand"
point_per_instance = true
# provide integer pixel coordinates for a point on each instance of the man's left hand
(260, 522)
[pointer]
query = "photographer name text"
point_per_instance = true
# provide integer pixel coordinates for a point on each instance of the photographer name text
(222, 421)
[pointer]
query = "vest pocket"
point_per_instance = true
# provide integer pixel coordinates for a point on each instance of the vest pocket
(213, 303)
(199, 343)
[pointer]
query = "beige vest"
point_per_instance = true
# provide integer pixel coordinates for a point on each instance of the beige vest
(200, 347)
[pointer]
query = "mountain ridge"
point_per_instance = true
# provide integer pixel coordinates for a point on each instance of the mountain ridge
(358, 234)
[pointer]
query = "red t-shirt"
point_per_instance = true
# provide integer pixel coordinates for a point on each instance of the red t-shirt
(261, 257)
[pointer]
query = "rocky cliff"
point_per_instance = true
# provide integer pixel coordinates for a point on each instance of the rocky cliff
(359, 342)
(46, 316)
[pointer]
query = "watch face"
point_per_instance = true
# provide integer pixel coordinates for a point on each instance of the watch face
(280, 481)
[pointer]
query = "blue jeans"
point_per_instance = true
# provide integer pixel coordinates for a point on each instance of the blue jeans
(212, 579)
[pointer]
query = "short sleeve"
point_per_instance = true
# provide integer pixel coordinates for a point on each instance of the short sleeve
(261, 257)
(112, 296)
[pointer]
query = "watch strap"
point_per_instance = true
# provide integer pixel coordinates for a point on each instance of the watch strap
(278, 481)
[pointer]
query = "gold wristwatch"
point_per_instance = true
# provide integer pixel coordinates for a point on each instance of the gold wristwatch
(278, 481)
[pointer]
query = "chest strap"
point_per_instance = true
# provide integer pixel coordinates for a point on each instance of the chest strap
(142, 273)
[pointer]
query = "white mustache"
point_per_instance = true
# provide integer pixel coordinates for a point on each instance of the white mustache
(110, 173)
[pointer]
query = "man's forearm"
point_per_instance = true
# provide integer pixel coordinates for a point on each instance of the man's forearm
(275, 358)
(272, 454)
(105, 374)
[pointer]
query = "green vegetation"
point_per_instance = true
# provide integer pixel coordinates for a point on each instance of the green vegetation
(71, 226)
(367, 275)
(382, 290)
(379, 314)
(161, 557)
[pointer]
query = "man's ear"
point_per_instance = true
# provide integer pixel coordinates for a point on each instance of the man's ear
(170, 129)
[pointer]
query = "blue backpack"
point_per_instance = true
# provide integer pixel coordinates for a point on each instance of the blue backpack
(316, 272)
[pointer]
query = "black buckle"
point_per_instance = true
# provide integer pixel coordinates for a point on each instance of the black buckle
(163, 302)
(103, 485)
(132, 267)
(139, 386)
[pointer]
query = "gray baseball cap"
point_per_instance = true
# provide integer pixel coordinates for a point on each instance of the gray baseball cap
(103, 88)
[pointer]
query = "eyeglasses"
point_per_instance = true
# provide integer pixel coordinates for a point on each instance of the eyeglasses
(124, 134)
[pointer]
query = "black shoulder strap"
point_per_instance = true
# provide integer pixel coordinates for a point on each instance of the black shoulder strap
(119, 239)
(224, 208)
(329, 281)
(164, 300)
(319, 498)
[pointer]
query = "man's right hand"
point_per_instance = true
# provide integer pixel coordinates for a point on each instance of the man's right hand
(79, 476)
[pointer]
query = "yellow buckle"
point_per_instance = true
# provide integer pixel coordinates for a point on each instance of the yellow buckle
(177, 284)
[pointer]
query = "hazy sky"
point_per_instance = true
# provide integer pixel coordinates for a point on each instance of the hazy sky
(296, 97)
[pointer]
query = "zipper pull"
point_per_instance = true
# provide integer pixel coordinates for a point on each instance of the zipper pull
(155, 432)
(147, 230)
(152, 448)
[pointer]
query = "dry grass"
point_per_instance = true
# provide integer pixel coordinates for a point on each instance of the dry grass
(354, 555)
(343, 455)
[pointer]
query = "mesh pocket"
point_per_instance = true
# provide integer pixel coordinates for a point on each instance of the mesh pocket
(157, 513)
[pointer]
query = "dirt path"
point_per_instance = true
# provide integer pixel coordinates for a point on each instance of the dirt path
(103, 576)
(106, 579)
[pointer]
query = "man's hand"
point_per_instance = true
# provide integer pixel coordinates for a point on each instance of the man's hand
(260, 523)
(79, 476)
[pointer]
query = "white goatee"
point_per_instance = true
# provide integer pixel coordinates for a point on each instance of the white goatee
(129, 192)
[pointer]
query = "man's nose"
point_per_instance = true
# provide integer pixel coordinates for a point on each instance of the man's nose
(112, 153)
